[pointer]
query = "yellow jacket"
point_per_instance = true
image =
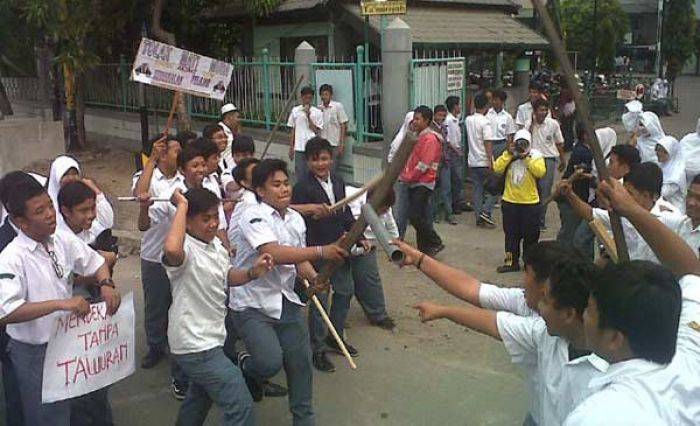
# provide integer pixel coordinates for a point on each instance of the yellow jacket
(526, 192)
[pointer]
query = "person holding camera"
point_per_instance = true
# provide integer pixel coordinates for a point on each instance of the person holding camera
(521, 167)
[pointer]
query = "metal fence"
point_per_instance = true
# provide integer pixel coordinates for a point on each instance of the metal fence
(25, 88)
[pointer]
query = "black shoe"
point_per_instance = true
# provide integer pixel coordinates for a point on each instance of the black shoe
(254, 387)
(433, 251)
(387, 323)
(333, 345)
(274, 390)
(503, 269)
(152, 358)
(179, 391)
(487, 219)
(322, 363)
(465, 207)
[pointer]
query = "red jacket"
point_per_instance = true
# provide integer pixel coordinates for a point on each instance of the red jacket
(422, 165)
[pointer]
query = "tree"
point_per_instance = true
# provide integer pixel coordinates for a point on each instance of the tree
(577, 26)
(677, 42)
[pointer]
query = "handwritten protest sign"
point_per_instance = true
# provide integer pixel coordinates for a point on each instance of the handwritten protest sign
(87, 353)
(163, 65)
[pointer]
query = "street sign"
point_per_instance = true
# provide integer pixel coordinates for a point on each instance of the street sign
(383, 7)
(455, 75)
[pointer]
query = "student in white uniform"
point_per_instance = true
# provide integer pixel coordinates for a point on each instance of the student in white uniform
(502, 123)
(644, 183)
(672, 162)
(231, 125)
(649, 132)
(267, 310)
(550, 347)
(198, 268)
(521, 302)
(690, 146)
(66, 169)
(480, 160)
(335, 123)
(692, 209)
(652, 379)
(306, 122)
(35, 284)
(525, 110)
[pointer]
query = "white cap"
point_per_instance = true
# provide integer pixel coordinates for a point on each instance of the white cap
(523, 134)
(228, 108)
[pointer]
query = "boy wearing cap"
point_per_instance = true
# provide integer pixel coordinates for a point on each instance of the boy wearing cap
(231, 123)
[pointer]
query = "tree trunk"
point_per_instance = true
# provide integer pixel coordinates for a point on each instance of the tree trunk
(43, 73)
(80, 111)
(5, 105)
(184, 122)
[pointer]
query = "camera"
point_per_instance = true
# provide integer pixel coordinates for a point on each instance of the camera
(521, 146)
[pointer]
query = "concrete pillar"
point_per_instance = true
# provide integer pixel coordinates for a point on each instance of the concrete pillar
(304, 56)
(397, 45)
(521, 79)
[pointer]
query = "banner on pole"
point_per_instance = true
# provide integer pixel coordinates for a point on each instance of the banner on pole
(87, 353)
(166, 66)
(383, 7)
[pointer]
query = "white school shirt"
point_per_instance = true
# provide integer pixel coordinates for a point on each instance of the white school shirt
(300, 123)
(502, 124)
(27, 275)
(546, 137)
(104, 215)
(153, 239)
(525, 114)
(387, 217)
(694, 240)
(163, 212)
(327, 186)
(636, 245)
(478, 132)
(333, 116)
(562, 384)
(454, 132)
(261, 224)
(198, 312)
(246, 200)
(212, 184)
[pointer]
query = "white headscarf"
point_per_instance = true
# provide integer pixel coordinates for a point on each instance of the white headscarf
(690, 147)
(674, 170)
(60, 167)
(650, 136)
(607, 138)
(630, 119)
(398, 139)
(518, 169)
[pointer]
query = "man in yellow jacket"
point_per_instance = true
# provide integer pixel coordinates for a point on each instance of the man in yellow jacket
(520, 205)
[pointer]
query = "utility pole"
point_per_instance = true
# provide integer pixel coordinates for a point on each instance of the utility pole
(594, 49)
(659, 35)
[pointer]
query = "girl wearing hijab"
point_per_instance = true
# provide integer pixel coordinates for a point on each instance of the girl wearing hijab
(65, 169)
(649, 132)
(672, 163)
(690, 147)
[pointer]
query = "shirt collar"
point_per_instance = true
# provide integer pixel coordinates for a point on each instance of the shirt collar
(327, 181)
(28, 243)
(597, 362)
(268, 209)
(159, 175)
(196, 241)
(630, 368)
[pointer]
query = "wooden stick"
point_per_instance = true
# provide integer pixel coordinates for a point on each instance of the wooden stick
(583, 111)
(281, 116)
(602, 234)
(160, 199)
(332, 329)
(347, 200)
(171, 115)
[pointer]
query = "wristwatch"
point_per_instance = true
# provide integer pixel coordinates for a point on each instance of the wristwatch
(106, 282)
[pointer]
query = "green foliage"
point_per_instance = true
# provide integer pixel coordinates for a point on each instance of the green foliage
(678, 35)
(577, 26)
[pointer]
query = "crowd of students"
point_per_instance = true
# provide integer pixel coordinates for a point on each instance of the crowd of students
(226, 261)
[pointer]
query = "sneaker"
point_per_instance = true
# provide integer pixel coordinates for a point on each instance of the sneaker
(503, 269)
(481, 223)
(333, 346)
(322, 363)
(387, 323)
(179, 391)
(254, 387)
(452, 220)
(486, 218)
(274, 390)
(152, 358)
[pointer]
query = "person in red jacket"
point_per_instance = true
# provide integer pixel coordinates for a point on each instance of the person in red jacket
(420, 173)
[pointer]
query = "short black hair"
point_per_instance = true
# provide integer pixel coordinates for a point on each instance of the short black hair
(315, 146)
(9, 183)
(451, 102)
(535, 85)
(243, 143)
(265, 169)
(642, 300)
(646, 177)
(186, 137)
(307, 90)
(439, 108)
(205, 146)
(626, 154)
(239, 172)
(539, 102)
(480, 101)
(187, 154)
(570, 282)
(696, 180)
(200, 200)
(21, 192)
(542, 257)
(325, 88)
(73, 194)
(425, 112)
(210, 129)
(500, 94)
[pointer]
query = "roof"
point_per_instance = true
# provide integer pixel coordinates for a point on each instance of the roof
(291, 5)
(465, 27)
(639, 6)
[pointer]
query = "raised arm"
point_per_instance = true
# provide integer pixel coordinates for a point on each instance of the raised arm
(262, 266)
(582, 209)
(477, 319)
(174, 247)
(288, 255)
